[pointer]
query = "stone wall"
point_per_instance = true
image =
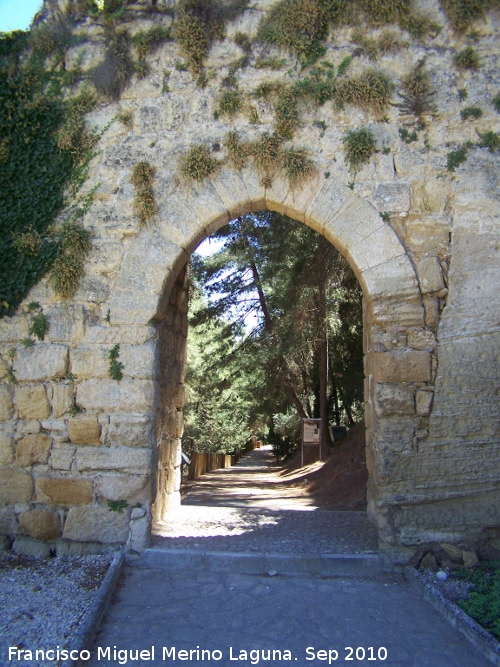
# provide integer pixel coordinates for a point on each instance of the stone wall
(428, 269)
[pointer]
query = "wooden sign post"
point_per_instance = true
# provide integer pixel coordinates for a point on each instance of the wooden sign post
(311, 435)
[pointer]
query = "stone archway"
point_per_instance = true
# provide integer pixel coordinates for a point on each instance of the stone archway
(150, 287)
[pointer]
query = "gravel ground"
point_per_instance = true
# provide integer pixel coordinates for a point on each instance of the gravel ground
(43, 600)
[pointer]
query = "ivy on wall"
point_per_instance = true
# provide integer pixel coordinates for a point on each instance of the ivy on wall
(44, 148)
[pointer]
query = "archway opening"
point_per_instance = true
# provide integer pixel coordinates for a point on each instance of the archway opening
(276, 336)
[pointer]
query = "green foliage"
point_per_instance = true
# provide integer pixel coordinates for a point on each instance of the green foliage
(198, 164)
(406, 136)
(230, 103)
(461, 13)
(455, 158)
(117, 505)
(142, 69)
(257, 325)
(496, 103)
(370, 91)
(51, 38)
(127, 118)
(75, 410)
(359, 146)
(483, 602)
(344, 65)
(300, 26)
(39, 326)
(270, 63)
(142, 179)
(467, 59)
(471, 112)
(417, 92)
(44, 149)
(287, 114)
(489, 140)
(115, 367)
(147, 41)
(244, 42)
(463, 94)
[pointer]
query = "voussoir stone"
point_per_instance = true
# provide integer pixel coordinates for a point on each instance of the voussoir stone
(84, 430)
(16, 486)
(96, 524)
(63, 491)
(41, 524)
(43, 361)
(33, 448)
(32, 402)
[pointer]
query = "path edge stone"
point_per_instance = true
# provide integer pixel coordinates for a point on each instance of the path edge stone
(90, 622)
(462, 622)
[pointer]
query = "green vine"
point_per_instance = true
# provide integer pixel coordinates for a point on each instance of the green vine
(115, 366)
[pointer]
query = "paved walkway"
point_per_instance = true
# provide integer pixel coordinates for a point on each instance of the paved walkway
(249, 508)
(194, 616)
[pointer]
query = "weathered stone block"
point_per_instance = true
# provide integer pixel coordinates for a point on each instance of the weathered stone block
(393, 399)
(84, 430)
(32, 402)
(140, 532)
(62, 399)
(34, 448)
(423, 402)
(392, 197)
(123, 335)
(63, 491)
(422, 339)
(66, 323)
(13, 329)
(90, 362)
(3, 369)
(96, 524)
(43, 361)
(122, 459)
(138, 360)
(402, 366)
(61, 457)
(30, 547)
(6, 448)
(16, 486)
(6, 402)
(132, 488)
(9, 524)
(128, 395)
(430, 275)
(41, 524)
(131, 430)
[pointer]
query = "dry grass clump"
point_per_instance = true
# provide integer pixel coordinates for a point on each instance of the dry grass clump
(198, 23)
(462, 13)
(287, 114)
(198, 164)
(51, 37)
(379, 12)
(370, 91)
(467, 59)
(146, 41)
(417, 94)
(297, 166)
(266, 153)
(230, 103)
(300, 26)
(73, 136)
(237, 152)
(144, 201)
(74, 243)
